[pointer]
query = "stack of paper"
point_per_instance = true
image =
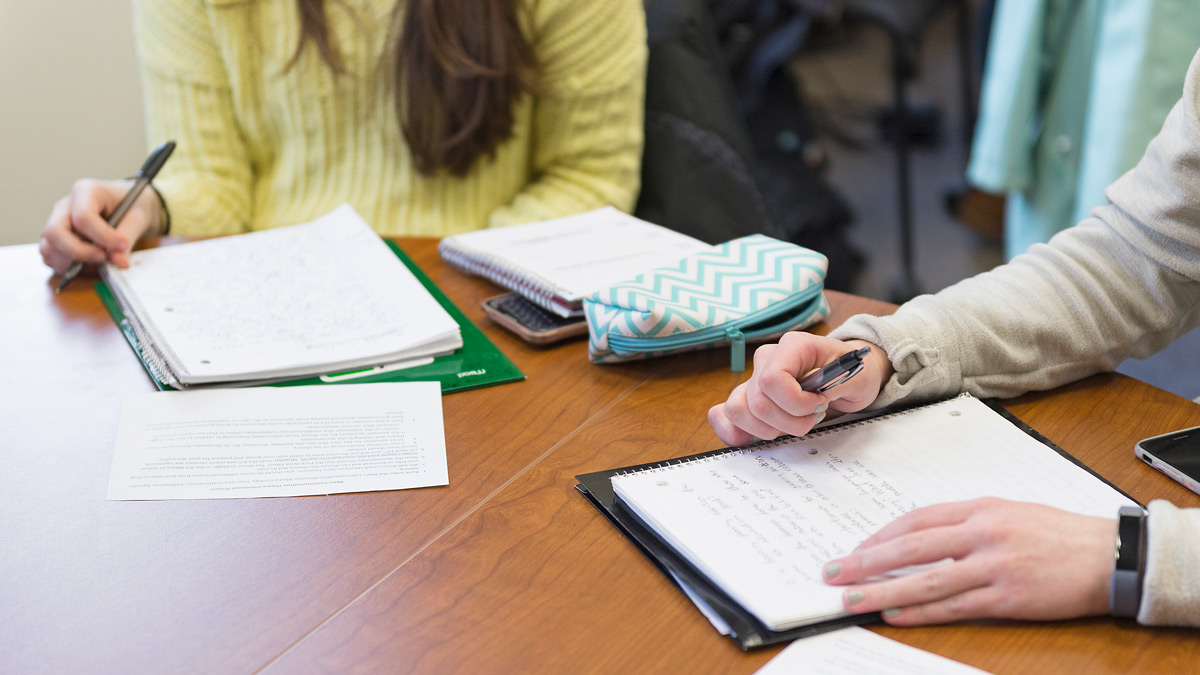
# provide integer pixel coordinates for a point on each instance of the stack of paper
(557, 263)
(292, 302)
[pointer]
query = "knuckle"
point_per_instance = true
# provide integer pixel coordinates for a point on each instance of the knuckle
(758, 404)
(958, 606)
(773, 380)
(988, 503)
(763, 354)
(911, 546)
(933, 584)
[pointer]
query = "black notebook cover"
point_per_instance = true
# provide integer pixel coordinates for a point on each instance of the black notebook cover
(747, 630)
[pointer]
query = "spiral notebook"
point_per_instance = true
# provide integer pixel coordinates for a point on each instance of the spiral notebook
(323, 302)
(746, 530)
(557, 263)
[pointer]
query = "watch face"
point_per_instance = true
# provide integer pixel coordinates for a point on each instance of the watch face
(1129, 534)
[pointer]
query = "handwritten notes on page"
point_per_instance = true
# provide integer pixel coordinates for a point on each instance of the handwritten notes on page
(760, 523)
(853, 651)
(279, 442)
(308, 299)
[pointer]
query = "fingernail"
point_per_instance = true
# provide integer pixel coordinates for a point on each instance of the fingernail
(854, 597)
(891, 613)
(819, 418)
(819, 409)
(833, 569)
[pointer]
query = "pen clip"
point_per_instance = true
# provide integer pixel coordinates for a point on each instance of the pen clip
(841, 378)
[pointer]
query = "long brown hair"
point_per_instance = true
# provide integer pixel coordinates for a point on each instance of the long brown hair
(459, 67)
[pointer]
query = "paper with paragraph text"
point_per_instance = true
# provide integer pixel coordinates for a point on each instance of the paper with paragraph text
(279, 442)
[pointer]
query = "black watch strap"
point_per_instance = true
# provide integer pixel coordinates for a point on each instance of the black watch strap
(1130, 565)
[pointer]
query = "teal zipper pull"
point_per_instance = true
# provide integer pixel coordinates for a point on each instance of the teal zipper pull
(737, 349)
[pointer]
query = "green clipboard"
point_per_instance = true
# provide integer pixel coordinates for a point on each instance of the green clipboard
(478, 363)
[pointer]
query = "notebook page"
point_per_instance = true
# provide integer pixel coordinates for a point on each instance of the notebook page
(760, 523)
(583, 253)
(295, 300)
(855, 650)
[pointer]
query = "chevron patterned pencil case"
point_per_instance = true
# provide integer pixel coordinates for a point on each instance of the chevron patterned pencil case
(750, 289)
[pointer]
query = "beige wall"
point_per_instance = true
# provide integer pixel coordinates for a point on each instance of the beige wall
(70, 104)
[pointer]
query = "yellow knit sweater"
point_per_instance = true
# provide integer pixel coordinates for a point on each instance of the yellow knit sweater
(261, 147)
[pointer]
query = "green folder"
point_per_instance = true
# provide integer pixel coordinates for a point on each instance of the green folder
(478, 363)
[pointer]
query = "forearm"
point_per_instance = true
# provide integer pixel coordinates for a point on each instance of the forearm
(1124, 282)
(592, 158)
(1058, 313)
(206, 186)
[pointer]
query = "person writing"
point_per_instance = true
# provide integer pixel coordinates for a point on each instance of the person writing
(430, 117)
(1124, 282)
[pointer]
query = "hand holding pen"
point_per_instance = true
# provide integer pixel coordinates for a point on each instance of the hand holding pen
(78, 232)
(795, 383)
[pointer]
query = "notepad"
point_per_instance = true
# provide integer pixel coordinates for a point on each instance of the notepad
(310, 299)
(749, 528)
(557, 263)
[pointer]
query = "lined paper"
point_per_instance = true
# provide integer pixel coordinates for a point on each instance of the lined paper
(760, 523)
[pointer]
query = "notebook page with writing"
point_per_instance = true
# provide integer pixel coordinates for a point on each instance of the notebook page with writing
(559, 262)
(306, 299)
(761, 521)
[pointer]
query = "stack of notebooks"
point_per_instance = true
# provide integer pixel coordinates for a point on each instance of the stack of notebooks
(746, 531)
(326, 301)
(557, 263)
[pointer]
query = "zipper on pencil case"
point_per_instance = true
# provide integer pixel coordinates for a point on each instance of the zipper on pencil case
(749, 327)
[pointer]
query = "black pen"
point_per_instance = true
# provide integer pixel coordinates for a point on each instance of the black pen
(845, 367)
(144, 175)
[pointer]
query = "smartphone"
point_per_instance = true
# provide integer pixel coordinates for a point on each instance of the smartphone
(531, 322)
(1177, 455)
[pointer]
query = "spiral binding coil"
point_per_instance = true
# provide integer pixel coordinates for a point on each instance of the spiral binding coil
(158, 361)
(533, 286)
(777, 442)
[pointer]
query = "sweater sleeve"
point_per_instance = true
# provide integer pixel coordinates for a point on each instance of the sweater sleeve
(1123, 283)
(187, 98)
(587, 123)
(1171, 591)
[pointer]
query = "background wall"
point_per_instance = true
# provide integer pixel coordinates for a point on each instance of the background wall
(70, 104)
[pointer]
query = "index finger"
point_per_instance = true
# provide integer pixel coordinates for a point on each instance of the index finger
(938, 515)
(88, 200)
(778, 368)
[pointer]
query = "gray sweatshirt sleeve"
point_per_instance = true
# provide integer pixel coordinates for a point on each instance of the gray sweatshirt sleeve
(1123, 282)
(1171, 592)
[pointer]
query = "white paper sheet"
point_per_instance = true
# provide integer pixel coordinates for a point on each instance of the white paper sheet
(853, 651)
(324, 296)
(279, 442)
(762, 523)
(581, 253)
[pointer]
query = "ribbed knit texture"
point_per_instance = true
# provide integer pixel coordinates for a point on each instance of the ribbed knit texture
(261, 147)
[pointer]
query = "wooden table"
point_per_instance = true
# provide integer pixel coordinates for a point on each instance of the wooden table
(505, 570)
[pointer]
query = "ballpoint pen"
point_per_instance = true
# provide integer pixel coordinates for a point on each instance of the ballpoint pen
(845, 367)
(144, 175)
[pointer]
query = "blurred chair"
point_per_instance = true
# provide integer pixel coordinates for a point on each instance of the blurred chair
(904, 22)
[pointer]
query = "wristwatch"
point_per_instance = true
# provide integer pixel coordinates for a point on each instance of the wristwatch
(1130, 562)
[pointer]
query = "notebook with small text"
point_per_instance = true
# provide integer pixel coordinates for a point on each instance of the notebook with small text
(322, 302)
(748, 529)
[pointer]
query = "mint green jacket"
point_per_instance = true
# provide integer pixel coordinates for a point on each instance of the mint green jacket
(1073, 90)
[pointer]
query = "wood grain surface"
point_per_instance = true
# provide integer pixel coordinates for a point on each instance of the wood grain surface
(505, 570)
